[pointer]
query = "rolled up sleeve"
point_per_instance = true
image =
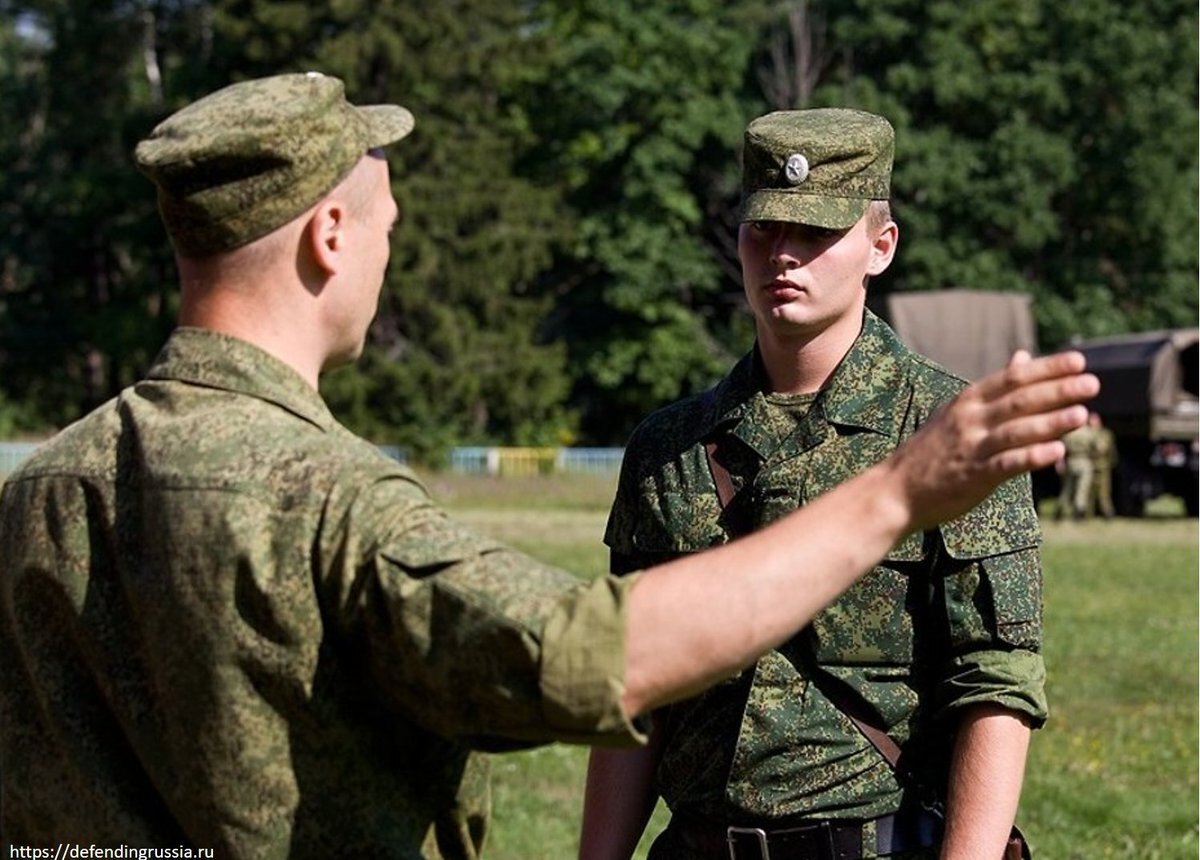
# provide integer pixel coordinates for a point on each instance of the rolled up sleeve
(583, 664)
(1015, 680)
(989, 578)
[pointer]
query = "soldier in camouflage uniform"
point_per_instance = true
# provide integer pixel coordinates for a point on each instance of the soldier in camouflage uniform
(1075, 496)
(229, 623)
(940, 642)
(1104, 460)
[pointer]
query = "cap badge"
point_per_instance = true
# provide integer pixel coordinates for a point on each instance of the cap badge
(796, 168)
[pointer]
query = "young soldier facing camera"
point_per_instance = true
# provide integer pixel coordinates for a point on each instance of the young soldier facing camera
(935, 649)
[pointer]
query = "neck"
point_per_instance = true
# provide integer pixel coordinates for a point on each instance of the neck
(273, 322)
(801, 363)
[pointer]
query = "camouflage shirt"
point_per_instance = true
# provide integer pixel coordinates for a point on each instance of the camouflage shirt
(228, 622)
(951, 618)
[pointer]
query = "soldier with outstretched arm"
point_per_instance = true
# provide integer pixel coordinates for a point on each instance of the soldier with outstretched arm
(230, 623)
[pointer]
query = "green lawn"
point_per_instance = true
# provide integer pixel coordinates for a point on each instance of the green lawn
(1113, 774)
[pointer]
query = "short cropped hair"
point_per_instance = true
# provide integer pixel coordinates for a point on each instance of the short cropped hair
(879, 212)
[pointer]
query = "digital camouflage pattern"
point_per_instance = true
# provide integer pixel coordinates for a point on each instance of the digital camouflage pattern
(228, 622)
(245, 160)
(817, 167)
(950, 618)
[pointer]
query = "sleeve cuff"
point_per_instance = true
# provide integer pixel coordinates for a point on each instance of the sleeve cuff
(583, 665)
(1015, 680)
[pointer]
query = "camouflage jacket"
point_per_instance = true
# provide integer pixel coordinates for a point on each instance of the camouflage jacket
(951, 618)
(228, 622)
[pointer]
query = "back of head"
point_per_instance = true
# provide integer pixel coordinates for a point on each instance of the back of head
(242, 162)
(818, 167)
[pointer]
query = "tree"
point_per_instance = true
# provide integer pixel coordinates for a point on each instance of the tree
(456, 355)
(795, 56)
(1049, 148)
(639, 119)
(80, 295)
(568, 256)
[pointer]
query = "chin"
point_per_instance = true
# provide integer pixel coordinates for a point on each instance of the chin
(789, 315)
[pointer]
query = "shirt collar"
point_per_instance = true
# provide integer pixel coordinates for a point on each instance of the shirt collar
(860, 392)
(215, 360)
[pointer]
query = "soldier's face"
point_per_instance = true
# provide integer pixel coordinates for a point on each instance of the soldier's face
(800, 280)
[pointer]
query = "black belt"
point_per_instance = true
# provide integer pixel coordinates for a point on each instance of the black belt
(824, 839)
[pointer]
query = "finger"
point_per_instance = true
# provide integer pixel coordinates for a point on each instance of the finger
(1035, 429)
(1022, 372)
(1019, 357)
(1038, 397)
(1028, 458)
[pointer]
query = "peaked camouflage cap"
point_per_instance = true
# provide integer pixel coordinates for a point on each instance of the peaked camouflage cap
(247, 159)
(817, 167)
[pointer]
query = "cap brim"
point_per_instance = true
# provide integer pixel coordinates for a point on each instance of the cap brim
(386, 124)
(832, 213)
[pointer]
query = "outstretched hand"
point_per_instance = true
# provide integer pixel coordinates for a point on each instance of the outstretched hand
(1005, 424)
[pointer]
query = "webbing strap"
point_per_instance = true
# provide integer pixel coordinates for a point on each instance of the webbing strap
(720, 474)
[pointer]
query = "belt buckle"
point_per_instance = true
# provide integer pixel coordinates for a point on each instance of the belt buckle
(731, 834)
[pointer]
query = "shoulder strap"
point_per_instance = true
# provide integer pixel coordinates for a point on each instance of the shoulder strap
(864, 721)
(842, 698)
(720, 475)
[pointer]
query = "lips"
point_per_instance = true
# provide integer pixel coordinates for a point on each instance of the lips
(782, 288)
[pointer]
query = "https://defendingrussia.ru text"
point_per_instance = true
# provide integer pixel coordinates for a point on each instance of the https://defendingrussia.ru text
(75, 851)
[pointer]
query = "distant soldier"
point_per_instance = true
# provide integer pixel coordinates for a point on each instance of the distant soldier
(1104, 459)
(1076, 471)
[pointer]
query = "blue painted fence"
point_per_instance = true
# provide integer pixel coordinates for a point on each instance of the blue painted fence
(12, 453)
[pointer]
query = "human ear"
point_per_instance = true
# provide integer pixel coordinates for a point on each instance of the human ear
(326, 235)
(883, 248)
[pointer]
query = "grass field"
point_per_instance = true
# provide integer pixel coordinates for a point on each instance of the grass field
(1113, 774)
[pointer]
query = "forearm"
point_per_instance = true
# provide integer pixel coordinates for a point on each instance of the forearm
(618, 800)
(986, 773)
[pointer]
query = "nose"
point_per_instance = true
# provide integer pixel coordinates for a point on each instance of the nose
(785, 252)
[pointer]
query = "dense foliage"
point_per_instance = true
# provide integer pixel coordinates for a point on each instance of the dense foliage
(566, 260)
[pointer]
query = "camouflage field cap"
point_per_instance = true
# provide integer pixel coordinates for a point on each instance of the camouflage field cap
(818, 167)
(245, 160)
